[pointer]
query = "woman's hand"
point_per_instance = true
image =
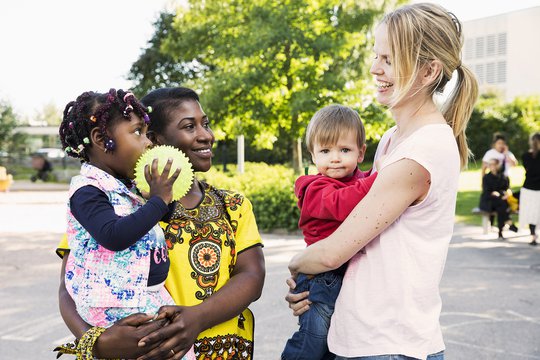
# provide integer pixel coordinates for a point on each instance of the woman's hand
(298, 303)
(178, 336)
(121, 339)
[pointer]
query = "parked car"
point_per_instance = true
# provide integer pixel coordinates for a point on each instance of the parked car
(51, 153)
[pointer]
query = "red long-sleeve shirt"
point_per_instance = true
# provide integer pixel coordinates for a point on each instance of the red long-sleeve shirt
(325, 202)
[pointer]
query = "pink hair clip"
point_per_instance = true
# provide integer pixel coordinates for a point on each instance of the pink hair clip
(127, 95)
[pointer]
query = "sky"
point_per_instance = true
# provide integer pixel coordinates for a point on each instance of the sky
(52, 51)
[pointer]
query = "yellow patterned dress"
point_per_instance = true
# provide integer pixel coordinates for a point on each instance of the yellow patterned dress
(204, 243)
(203, 246)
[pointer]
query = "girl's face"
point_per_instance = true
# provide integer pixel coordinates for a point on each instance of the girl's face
(382, 67)
(188, 130)
(494, 166)
(131, 141)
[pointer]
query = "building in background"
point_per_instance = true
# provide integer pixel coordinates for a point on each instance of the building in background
(504, 52)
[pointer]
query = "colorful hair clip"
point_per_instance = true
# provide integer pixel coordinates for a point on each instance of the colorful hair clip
(149, 109)
(86, 140)
(93, 118)
(127, 110)
(146, 119)
(70, 124)
(67, 149)
(127, 95)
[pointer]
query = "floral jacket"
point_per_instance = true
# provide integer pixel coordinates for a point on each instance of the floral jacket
(95, 276)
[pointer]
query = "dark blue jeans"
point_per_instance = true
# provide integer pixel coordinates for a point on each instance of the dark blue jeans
(309, 342)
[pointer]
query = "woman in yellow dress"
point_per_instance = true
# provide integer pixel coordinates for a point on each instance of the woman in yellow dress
(217, 265)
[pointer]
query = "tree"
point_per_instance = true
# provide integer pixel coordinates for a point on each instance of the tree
(263, 68)
(8, 122)
(516, 119)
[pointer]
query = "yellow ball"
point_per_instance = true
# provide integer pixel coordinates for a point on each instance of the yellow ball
(163, 153)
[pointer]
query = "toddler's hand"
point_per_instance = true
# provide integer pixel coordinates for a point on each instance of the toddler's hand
(161, 184)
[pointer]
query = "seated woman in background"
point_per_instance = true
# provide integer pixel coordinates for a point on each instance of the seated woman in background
(494, 195)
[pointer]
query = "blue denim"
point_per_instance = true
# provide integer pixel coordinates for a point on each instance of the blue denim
(437, 356)
(309, 342)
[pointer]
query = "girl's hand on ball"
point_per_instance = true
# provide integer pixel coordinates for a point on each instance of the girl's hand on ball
(161, 184)
(156, 158)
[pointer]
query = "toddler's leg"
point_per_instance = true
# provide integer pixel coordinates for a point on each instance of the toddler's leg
(310, 341)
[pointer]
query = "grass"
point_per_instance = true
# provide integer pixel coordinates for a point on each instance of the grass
(470, 188)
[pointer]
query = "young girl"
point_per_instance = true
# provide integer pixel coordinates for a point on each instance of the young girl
(118, 261)
(217, 264)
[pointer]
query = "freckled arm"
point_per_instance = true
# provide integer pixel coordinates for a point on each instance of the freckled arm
(397, 186)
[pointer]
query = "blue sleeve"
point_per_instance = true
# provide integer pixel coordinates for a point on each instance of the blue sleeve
(92, 209)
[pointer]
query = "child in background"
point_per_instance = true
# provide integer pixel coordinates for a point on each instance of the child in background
(494, 195)
(335, 138)
(118, 261)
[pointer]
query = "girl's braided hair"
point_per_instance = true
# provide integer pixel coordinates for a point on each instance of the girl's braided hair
(92, 110)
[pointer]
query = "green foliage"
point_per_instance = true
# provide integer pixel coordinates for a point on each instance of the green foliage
(10, 141)
(263, 67)
(269, 188)
(517, 120)
(376, 121)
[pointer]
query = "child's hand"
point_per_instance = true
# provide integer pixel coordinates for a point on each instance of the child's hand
(161, 184)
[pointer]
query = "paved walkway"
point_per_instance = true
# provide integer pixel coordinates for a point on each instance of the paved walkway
(27, 185)
(490, 288)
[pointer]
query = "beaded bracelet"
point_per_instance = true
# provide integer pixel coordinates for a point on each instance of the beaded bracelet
(83, 348)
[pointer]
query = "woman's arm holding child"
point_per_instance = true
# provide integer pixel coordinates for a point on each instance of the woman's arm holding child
(397, 187)
(244, 286)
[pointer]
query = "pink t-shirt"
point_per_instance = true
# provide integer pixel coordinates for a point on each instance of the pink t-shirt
(390, 302)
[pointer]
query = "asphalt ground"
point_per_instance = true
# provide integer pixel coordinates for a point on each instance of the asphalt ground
(490, 288)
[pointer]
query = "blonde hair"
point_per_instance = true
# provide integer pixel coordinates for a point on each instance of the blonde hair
(330, 123)
(423, 32)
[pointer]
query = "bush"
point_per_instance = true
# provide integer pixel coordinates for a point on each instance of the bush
(270, 188)
(517, 120)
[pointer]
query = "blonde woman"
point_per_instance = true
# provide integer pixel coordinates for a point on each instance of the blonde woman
(389, 305)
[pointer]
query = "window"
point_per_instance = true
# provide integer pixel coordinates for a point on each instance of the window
(479, 47)
(490, 45)
(501, 72)
(479, 70)
(490, 73)
(501, 40)
(469, 49)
